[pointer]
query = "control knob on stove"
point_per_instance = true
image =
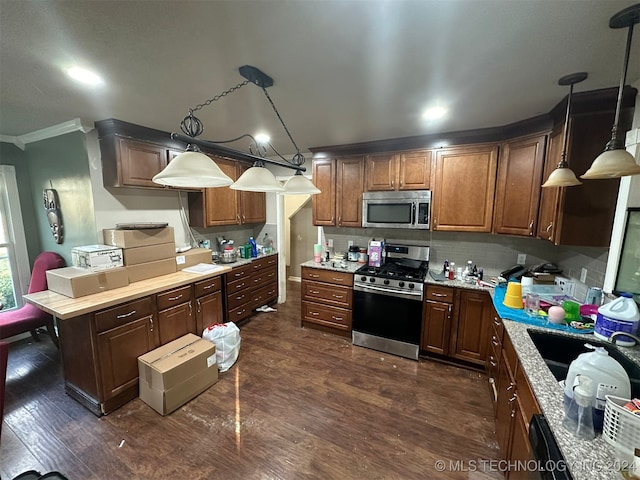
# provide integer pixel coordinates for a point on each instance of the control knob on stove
(411, 285)
(372, 280)
(363, 278)
(386, 282)
(401, 284)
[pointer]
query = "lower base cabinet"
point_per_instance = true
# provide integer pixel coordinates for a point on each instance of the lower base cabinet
(327, 300)
(251, 286)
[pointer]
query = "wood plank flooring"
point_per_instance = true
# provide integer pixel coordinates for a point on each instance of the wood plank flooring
(298, 404)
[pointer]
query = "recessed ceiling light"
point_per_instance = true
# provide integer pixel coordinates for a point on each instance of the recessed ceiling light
(85, 76)
(262, 138)
(434, 113)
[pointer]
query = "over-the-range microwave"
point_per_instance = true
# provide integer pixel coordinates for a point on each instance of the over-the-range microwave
(409, 209)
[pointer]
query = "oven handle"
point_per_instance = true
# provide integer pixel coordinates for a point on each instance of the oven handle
(390, 293)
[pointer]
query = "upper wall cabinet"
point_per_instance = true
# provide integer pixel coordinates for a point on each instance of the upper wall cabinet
(223, 206)
(464, 186)
(398, 171)
(341, 183)
(518, 186)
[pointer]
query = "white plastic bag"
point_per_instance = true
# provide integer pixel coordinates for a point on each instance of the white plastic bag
(226, 337)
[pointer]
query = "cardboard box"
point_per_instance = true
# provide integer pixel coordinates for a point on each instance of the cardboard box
(143, 271)
(150, 253)
(96, 257)
(193, 257)
(138, 238)
(177, 372)
(78, 282)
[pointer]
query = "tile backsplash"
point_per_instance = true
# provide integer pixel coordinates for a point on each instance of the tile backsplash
(493, 253)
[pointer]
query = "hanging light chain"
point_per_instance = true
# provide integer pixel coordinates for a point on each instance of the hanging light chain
(218, 97)
(299, 157)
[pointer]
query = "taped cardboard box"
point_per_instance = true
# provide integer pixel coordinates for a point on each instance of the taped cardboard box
(138, 238)
(193, 257)
(177, 372)
(144, 271)
(149, 253)
(78, 282)
(97, 257)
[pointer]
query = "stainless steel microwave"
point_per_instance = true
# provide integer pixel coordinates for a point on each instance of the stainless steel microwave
(410, 209)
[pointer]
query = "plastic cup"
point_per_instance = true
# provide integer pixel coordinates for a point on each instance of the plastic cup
(532, 304)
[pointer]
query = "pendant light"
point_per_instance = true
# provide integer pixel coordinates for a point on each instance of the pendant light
(193, 169)
(563, 176)
(257, 179)
(615, 161)
(300, 185)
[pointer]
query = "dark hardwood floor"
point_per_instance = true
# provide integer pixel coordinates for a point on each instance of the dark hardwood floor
(298, 404)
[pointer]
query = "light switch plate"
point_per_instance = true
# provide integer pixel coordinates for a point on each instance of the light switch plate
(522, 259)
(583, 275)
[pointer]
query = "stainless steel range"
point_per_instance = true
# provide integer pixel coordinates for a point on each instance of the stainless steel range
(387, 301)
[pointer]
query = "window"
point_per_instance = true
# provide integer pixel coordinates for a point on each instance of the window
(14, 260)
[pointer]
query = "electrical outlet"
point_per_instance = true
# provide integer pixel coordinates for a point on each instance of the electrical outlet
(522, 259)
(583, 275)
(350, 243)
(330, 242)
(567, 286)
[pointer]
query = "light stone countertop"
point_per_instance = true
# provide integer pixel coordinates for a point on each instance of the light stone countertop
(586, 460)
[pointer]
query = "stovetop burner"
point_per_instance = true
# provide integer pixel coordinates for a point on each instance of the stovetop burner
(396, 270)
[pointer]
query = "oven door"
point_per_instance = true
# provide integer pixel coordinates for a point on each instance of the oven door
(388, 322)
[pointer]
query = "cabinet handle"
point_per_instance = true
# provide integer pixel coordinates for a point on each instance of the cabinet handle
(496, 322)
(401, 182)
(125, 315)
(312, 275)
(171, 299)
(337, 296)
(244, 218)
(190, 310)
(494, 340)
(332, 218)
(315, 314)
(549, 230)
(199, 305)
(240, 312)
(338, 319)
(340, 220)
(438, 294)
(151, 322)
(238, 274)
(531, 229)
(510, 387)
(338, 279)
(238, 218)
(393, 183)
(315, 292)
(240, 297)
(449, 308)
(208, 287)
(493, 364)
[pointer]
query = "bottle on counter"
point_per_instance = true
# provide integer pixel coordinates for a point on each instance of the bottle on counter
(267, 244)
(582, 425)
(254, 247)
(452, 271)
(445, 268)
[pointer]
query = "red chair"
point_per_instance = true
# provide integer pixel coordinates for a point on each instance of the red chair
(29, 318)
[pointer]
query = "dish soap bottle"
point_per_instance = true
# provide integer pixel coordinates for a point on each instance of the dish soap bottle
(582, 425)
(254, 247)
(267, 243)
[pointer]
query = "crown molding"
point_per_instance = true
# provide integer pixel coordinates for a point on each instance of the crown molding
(21, 141)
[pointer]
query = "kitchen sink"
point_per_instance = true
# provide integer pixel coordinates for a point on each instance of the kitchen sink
(558, 351)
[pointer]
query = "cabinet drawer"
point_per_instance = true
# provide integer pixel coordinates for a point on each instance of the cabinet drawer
(173, 297)
(329, 276)
(239, 273)
(263, 296)
(236, 299)
(207, 286)
(526, 398)
(264, 277)
(440, 294)
(324, 315)
(122, 314)
(239, 313)
(332, 294)
(238, 285)
(264, 262)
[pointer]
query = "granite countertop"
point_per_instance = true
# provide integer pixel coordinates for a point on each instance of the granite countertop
(350, 267)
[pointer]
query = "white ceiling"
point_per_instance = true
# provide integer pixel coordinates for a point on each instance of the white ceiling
(344, 71)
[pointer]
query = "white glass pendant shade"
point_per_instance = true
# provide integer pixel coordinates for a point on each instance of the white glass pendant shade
(299, 185)
(257, 179)
(612, 164)
(562, 177)
(194, 170)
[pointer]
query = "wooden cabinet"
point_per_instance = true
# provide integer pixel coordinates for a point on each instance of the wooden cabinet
(464, 187)
(514, 407)
(437, 315)
(398, 171)
(208, 303)
(175, 314)
(327, 300)
(455, 323)
(494, 355)
(518, 186)
(341, 183)
(251, 286)
(580, 215)
(224, 206)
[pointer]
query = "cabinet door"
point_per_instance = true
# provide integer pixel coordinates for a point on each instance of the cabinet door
(415, 170)
(208, 311)
(175, 322)
(140, 162)
(471, 332)
(252, 205)
(381, 171)
(349, 185)
(436, 321)
(518, 186)
(464, 188)
(550, 197)
(521, 452)
(222, 205)
(505, 410)
(118, 352)
(324, 203)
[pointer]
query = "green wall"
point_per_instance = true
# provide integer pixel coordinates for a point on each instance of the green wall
(61, 162)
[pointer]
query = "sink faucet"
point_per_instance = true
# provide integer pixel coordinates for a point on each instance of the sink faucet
(617, 334)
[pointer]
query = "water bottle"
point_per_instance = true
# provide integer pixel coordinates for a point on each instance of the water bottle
(254, 247)
(266, 243)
